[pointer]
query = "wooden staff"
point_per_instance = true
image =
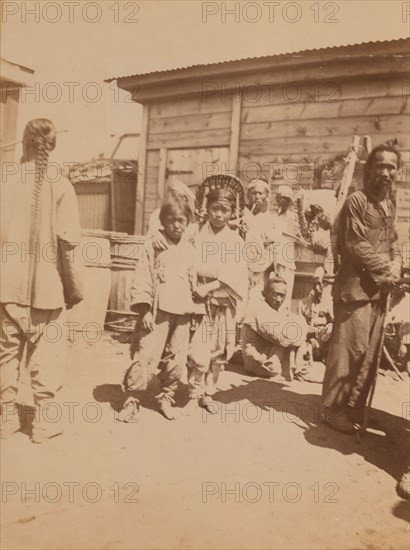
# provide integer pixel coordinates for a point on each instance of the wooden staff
(378, 359)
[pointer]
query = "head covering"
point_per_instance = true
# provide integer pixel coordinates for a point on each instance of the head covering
(285, 191)
(221, 195)
(253, 183)
(182, 189)
(274, 278)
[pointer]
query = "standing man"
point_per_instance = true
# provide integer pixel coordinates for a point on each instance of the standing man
(285, 225)
(41, 272)
(370, 260)
(260, 234)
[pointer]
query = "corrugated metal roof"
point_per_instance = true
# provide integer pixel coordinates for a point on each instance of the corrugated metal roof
(299, 53)
(13, 64)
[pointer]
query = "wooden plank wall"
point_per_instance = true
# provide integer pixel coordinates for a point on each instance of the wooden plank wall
(315, 122)
(301, 122)
(94, 204)
(184, 123)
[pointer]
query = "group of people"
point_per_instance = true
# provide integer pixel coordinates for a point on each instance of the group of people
(209, 271)
(216, 271)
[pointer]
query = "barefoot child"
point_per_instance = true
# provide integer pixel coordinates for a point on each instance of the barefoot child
(222, 284)
(162, 295)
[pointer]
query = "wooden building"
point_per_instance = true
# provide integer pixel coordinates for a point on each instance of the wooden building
(106, 192)
(12, 78)
(280, 115)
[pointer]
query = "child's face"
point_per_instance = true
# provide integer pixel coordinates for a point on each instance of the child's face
(219, 213)
(174, 226)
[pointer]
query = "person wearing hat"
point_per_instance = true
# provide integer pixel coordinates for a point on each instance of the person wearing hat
(222, 285)
(317, 309)
(273, 339)
(285, 224)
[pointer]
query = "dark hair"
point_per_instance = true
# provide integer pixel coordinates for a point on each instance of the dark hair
(389, 147)
(175, 207)
(221, 194)
(39, 139)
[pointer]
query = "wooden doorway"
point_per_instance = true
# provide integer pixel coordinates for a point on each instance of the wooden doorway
(191, 166)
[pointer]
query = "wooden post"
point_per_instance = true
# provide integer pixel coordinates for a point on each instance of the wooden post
(112, 197)
(142, 158)
(162, 173)
(235, 131)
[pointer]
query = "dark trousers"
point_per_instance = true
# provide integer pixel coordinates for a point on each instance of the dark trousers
(354, 346)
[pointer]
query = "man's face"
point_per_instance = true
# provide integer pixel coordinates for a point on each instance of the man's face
(283, 202)
(275, 295)
(174, 226)
(382, 174)
(258, 196)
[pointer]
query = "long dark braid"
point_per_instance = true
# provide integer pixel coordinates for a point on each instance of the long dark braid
(38, 140)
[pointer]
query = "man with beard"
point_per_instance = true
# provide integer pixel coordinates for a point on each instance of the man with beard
(370, 261)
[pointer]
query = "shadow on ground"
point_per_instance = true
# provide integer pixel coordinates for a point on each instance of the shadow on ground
(387, 451)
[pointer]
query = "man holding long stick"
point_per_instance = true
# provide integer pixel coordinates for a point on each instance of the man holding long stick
(370, 262)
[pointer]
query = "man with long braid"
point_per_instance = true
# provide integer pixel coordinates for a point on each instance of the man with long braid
(40, 273)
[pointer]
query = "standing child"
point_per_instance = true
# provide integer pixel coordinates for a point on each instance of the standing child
(162, 295)
(222, 284)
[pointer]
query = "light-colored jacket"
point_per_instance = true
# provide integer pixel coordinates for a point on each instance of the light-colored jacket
(45, 270)
(164, 279)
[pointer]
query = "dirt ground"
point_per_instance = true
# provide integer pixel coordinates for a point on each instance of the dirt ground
(260, 473)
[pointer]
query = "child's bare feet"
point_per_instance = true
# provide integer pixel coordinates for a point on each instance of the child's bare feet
(165, 403)
(208, 404)
(129, 411)
(191, 405)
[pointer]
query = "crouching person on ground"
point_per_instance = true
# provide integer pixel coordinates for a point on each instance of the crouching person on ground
(273, 339)
(162, 295)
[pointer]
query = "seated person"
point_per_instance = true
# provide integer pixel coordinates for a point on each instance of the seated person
(317, 309)
(273, 339)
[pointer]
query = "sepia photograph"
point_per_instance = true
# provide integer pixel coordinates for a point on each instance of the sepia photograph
(205, 275)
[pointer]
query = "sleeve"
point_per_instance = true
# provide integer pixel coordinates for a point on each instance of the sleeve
(395, 253)
(357, 242)
(142, 288)
(70, 265)
(302, 309)
(233, 270)
(68, 215)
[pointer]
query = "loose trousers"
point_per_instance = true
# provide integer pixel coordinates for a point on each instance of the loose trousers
(42, 332)
(171, 331)
(211, 347)
(352, 354)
